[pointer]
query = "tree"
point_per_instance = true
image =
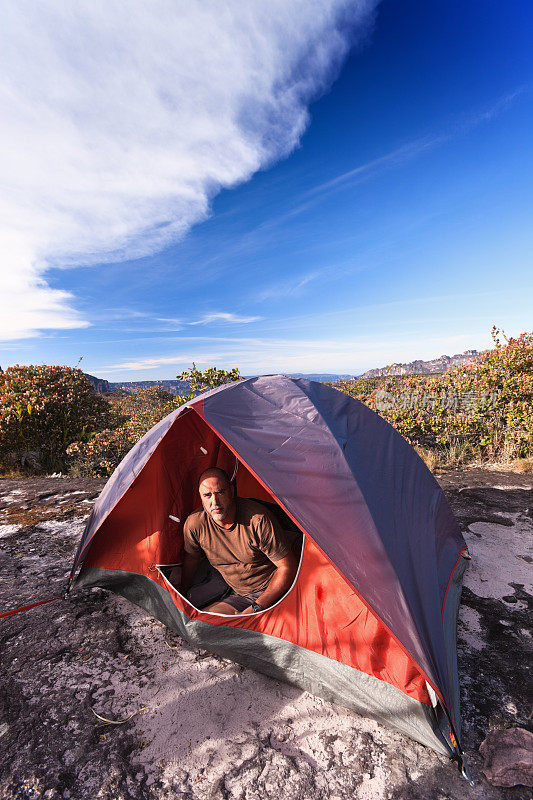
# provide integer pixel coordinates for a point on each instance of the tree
(202, 380)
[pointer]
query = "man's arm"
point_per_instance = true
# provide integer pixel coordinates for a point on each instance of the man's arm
(280, 582)
(189, 566)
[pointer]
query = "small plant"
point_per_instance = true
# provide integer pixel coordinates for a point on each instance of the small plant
(97, 456)
(141, 410)
(430, 458)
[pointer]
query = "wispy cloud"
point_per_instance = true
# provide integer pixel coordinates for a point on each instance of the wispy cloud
(124, 313)
(289, 288)
(459, 126)
(170, 323)
(409, 151)
(127, 119)
(296, 286)
(26, 300)
(363, 172)
(223, 316)
(158, 361)
(247, 350)
(451, 129)
(118, 314)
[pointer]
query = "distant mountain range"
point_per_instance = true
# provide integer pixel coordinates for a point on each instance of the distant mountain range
(182, 387)
(173, 386)
(432, 367)
(418, 367)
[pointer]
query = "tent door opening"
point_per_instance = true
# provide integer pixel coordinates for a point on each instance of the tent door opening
(209, 586)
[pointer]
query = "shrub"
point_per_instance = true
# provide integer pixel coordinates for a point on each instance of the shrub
(524, 465)
(483, 409)
(98, 456)
(132, 416)
(42, 410)
(141, 410)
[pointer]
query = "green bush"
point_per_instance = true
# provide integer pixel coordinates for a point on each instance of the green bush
(143, 408)
(42, 410)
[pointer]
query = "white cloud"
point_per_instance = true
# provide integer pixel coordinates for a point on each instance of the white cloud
(223, 316)
(158, 361)
(26, 300)
(122, 120)
(289, 288)
(121, 313)
(170, 323)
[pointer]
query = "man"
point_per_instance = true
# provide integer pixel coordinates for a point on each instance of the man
(243, 541)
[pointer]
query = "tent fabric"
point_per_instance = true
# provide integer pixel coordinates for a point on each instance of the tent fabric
(379, 582)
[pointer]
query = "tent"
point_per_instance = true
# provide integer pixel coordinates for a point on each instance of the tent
(370, 619)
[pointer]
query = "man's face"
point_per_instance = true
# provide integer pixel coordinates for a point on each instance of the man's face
(217, 500)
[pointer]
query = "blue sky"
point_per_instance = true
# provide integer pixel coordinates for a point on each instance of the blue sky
(357, 194)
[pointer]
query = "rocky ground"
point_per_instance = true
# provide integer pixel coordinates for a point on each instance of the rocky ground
(205, 728)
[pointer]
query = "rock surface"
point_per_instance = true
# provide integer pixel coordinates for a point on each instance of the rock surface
(508, 757)
(207, 728)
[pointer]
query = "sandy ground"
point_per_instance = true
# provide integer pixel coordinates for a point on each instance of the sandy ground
(207, 728)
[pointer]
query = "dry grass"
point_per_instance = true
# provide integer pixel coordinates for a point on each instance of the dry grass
(460, 455)
(12, 472)
(524, 465)
(24, 516)
(431, 458)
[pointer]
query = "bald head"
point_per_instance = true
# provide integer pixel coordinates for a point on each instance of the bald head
(214, 472)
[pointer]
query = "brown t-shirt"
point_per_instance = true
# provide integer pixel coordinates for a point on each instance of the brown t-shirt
(243, 554)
